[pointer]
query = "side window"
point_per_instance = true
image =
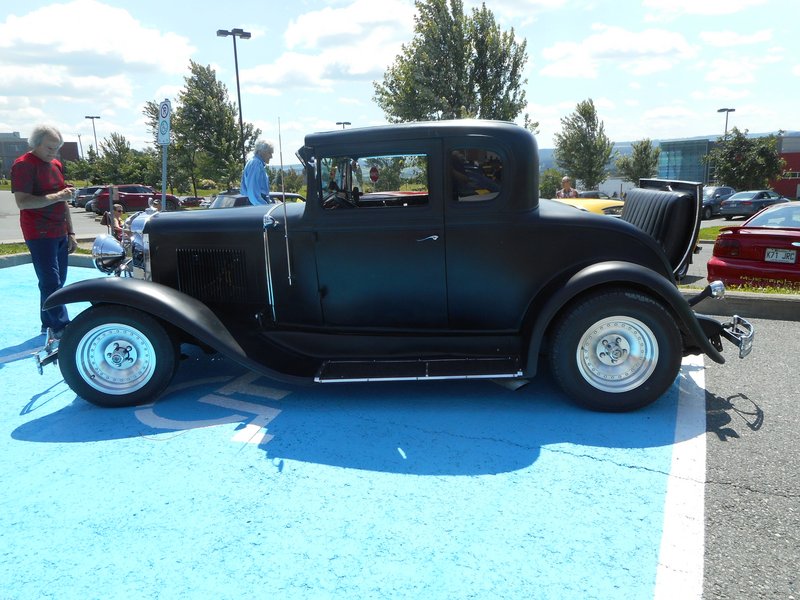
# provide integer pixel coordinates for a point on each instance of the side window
(382, 181)
(477, 174)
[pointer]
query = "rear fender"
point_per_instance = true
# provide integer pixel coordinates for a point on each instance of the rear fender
(619, 274)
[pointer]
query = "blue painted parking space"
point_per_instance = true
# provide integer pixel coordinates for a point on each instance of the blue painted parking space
(232, 485)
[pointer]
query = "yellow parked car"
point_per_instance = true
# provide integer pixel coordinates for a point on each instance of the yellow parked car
(596, 202)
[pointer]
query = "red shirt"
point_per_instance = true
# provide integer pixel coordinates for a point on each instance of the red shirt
(32, 175)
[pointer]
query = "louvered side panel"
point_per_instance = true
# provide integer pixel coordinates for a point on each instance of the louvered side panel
(212, 274)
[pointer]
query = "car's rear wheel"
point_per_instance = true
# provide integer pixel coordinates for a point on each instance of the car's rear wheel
(115, 356)
(615, 351)
(707, 213)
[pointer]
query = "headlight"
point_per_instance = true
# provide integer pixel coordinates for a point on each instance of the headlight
(139, 243)
(613, 211)
(108, 253)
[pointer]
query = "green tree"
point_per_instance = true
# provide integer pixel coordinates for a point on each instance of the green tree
(582, 148)
(642, 162)
(455, 67)
(746, 163)
(120, 163)
(549, 183)
(207, 135)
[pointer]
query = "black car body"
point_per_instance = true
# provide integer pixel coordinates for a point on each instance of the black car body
(713, 196)
(422, 252)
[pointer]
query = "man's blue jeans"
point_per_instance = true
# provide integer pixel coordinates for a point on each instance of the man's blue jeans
(49, 257)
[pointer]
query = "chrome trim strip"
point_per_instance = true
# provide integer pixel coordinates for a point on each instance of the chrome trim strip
(268, 223)
(516, 375)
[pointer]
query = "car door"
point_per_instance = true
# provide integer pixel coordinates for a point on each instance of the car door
(381, 259)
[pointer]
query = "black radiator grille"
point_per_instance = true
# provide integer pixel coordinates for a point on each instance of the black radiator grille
(212, 274)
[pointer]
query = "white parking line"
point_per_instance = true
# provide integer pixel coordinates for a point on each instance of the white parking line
(680, 561)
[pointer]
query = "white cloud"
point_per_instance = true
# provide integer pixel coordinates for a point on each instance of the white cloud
(722, 94)
(642, 52)
(724, 39)
(346, 26)
(112, 40)
(676, 8)
(742, 71)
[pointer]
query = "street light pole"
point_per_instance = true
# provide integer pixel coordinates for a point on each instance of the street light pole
(343, 123)
(245, 35)
(726, 111)
(96, 150)
(80, 145)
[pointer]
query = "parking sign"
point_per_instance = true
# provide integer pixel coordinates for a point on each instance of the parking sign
(164, 111)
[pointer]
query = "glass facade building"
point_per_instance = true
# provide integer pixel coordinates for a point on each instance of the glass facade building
(684, 160)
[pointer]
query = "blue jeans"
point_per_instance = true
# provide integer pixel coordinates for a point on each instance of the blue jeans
(49, 257)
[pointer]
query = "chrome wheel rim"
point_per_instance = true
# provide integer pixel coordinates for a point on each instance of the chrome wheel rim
(617, 354)
(115, 358)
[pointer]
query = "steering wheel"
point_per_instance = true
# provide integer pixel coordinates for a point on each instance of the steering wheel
(338, 200)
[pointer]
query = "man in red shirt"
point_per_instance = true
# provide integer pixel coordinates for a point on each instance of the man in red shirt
(37, 181)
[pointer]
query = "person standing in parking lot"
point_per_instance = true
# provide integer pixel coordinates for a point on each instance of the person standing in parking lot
(255, 180)
(37, 182)
(566, 191)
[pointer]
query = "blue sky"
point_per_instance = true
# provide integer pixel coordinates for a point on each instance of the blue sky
(654, 68)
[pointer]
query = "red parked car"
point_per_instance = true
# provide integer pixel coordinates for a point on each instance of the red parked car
(763, 251)
(132, 197)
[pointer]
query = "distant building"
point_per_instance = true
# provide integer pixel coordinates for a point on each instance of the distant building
(684, 159)
(12, 146)
(789, 184)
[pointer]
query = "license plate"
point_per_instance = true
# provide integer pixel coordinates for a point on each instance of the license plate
(778, 255)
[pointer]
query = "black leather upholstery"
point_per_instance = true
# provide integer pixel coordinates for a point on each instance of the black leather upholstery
(667, 216)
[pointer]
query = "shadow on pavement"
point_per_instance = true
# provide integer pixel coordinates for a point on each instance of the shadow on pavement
(424, 428)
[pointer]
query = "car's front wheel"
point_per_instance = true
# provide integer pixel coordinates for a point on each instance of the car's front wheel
(707, 213)
(615, 351)
(117, 356)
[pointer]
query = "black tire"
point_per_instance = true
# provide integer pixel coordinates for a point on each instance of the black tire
(171, 206)
(114, 356)
(707, 213)
(645, 355)
(728, 218)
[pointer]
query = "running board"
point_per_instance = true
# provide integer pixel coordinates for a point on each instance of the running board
(348, 371)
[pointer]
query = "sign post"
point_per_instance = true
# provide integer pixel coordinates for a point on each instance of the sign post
(164, 112)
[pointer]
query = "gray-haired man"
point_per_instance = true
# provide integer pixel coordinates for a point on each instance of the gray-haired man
(255, 180)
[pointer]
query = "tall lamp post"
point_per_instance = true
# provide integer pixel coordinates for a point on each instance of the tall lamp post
(343, 123)
(96, 150)
(726, 111)
(245, 35)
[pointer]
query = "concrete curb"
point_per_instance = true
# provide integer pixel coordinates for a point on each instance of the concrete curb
(778, 307)
(75, 260)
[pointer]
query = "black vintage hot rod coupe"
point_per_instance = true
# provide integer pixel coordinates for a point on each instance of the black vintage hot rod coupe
(423, 251)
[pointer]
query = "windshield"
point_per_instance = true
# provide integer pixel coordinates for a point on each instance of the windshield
(785, 215)
(743, 196)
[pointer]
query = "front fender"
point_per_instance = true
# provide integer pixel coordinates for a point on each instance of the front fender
(179, 309)
(620, 274)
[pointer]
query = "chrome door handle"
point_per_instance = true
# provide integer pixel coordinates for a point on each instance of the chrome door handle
(431, 238)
